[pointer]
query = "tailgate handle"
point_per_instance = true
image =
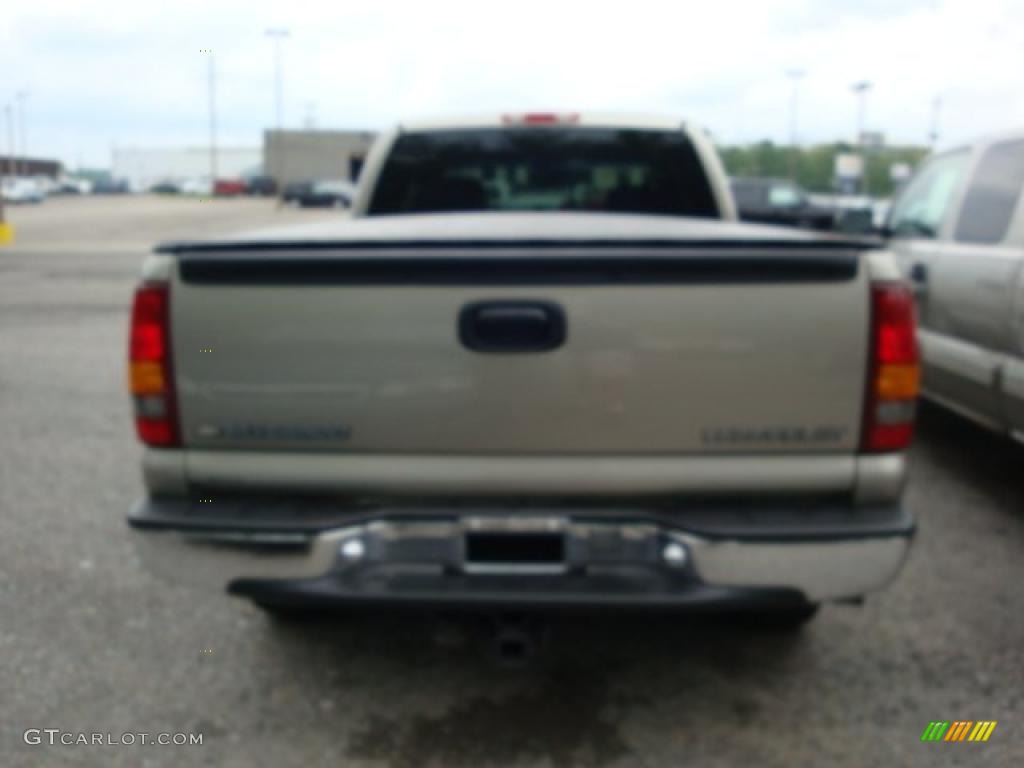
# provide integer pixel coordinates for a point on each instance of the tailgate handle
(512, 326)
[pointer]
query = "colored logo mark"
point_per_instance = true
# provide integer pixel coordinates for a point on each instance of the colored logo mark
(958, 730)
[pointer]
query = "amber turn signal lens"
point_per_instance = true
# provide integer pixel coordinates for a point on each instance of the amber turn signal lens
(898, 382)
(146, 378)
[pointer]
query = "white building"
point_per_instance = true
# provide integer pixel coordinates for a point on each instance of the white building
(144, 167)
(310, 155)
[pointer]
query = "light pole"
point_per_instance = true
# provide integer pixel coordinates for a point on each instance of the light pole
(213, 127)
(278, 34)
(5, 232)
(12, 166)
(933, 133)
(22, 98)
(795, 75)
(6, 229)
(861, 90)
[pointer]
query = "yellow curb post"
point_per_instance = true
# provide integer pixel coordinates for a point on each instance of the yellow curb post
(6, 228)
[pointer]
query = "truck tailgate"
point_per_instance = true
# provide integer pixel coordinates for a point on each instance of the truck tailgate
(669, 348)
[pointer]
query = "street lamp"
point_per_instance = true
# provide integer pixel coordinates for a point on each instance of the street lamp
(12, 166)
(795, 75)
(861, 90)
(933, 133)
(213, 126)
(277, 35)
(22, 98)
(6, 229)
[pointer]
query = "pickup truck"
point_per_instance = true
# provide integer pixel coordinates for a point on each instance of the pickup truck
(780, 201)
(957, 231)
(541, 367)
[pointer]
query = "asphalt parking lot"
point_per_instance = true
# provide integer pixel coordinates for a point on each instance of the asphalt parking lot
(91, 641)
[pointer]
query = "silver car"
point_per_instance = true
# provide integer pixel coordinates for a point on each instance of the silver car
(958, 232)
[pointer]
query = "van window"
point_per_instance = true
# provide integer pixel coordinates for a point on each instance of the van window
(992, 195)
(922, 207)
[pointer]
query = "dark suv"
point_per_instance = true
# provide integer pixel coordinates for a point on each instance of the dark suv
(779, 201)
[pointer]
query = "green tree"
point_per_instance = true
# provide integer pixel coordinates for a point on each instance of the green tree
(814, 167)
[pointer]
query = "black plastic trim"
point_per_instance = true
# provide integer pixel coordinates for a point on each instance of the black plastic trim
(532, 593)
(462, 244)
(588, 267)
(782, 521)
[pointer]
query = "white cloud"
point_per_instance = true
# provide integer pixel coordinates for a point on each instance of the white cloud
(106, 71)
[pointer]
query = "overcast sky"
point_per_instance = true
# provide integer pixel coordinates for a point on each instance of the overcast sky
(100, 73)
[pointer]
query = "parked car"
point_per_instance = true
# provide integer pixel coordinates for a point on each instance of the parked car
(779, 201)
(853, 214)
(229, 187)
(166, 188)
(880, 213)
(199, 187)
(577, 382)
(18, 189)
(47, 185)
(71, 186)
(294, 191)
(261, 186)
(328, 194)
(111, 187)
(957, 229)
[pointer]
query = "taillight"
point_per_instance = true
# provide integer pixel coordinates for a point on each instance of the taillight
(894, 376)
(150, 376)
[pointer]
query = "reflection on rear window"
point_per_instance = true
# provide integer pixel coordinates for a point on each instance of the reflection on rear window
(544, 169)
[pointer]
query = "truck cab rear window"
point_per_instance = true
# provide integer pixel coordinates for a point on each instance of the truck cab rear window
(544, 169)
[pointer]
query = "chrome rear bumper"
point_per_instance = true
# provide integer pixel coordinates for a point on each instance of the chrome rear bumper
(613, 557)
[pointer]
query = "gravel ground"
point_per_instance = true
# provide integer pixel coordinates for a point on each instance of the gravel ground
(91, 641)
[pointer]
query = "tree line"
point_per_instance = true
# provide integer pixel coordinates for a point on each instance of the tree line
(814, 167)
